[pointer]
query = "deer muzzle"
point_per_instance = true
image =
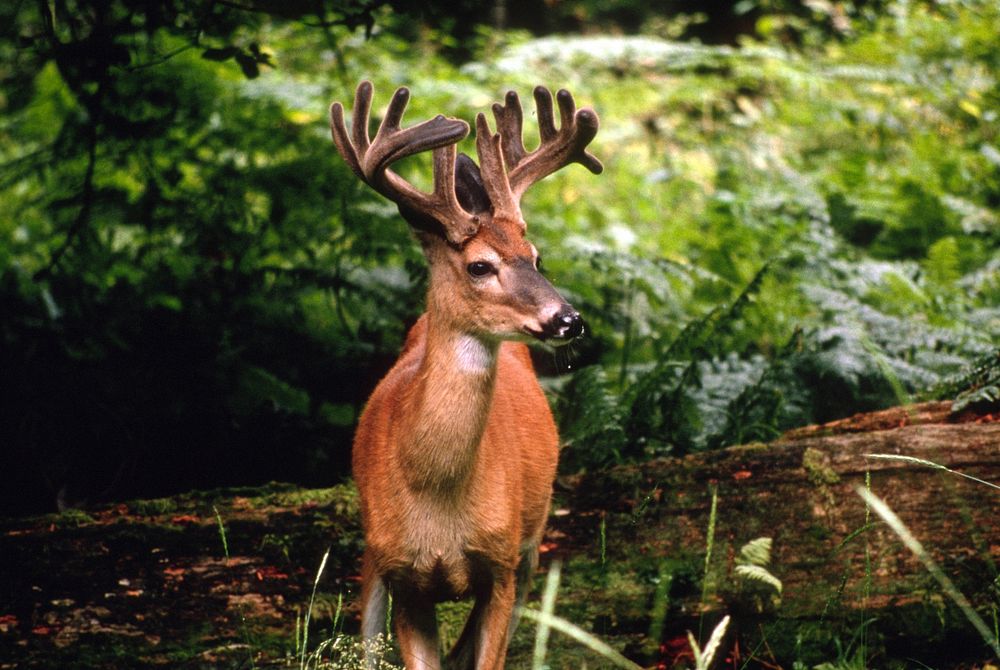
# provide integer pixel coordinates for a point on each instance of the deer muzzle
(565, 325)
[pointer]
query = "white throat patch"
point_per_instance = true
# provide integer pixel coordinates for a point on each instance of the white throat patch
(473, 355)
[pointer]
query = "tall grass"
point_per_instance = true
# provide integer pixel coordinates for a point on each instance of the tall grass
(914, 545)
(931, 464)
(312, 601)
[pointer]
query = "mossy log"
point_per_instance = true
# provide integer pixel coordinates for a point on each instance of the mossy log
(224, 578)
(839, 565)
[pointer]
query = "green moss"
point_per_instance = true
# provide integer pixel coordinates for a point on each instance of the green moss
(817, 467)
(342, 498)
(153, 507)
(73, 518)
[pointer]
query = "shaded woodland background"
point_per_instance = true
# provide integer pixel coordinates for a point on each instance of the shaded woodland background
(797, 222)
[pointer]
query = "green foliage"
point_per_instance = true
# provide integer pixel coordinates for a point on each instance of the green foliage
(183, 259)
(752, 563)
(193, 285)
(977, 387)
(863, 171)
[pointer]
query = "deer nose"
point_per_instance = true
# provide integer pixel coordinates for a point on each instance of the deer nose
(566, 324)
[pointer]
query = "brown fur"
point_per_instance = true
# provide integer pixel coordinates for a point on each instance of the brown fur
(456, 451)
(454, 463)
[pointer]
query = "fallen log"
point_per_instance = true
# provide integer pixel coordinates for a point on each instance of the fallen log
(839, 565)
(225, 578)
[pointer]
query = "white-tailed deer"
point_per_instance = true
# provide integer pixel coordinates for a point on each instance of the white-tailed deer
(456, 451)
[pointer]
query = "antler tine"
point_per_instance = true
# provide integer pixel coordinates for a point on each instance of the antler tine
(558, 147)
(543, 106)
(341, 139)
(510, 118)
(359, 115)
(370, 160)
(446, 197)
(489, 147)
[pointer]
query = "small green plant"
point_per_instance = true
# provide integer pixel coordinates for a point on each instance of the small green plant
(706, 581)
(752, 563)
(346, 652)
(312, 601)
(703, 658)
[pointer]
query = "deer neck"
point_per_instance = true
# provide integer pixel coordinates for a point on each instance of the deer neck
(448, 407)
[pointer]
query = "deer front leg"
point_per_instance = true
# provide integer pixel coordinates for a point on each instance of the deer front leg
(484, 639)
(417, 631)
(525, 572)
(374, 611)
(494, 621)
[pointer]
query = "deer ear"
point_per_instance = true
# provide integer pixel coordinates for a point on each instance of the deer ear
(469, 187)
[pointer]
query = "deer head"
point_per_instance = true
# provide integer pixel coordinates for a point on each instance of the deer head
(484, 273)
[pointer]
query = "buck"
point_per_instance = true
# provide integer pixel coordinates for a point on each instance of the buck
(456, 450)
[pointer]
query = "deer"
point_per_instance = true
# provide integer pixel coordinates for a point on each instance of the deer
(455, 452)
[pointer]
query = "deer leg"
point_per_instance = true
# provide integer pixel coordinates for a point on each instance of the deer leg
(484, 639)
(417, 631)
(463, 655)
(492, 638)
(525, 572)
(374, 611)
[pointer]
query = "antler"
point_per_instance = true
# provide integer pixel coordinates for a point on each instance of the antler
(507, 169)
(558, 148)
(370, 159)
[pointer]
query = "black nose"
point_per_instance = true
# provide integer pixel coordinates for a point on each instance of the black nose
(565, 325)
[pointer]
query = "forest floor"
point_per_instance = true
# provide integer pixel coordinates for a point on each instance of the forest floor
(225, 578)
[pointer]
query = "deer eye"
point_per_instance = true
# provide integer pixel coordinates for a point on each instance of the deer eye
(481, 269)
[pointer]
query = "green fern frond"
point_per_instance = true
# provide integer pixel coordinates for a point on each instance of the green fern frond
(752, 563)
(756, 552)
(756, 573)
(978, 385)
(663, 406)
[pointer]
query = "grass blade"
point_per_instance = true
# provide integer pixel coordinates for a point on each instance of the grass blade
(312, 600)
(548, 607)
(222, 532)
(914, 545)
(590, 641)
(930, 464)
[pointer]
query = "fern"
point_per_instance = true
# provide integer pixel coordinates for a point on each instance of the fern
(776, 400)
(751, 566)
(592, 425)
(663, 404)
(756, 552)
(756, 573)
(977, 387)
